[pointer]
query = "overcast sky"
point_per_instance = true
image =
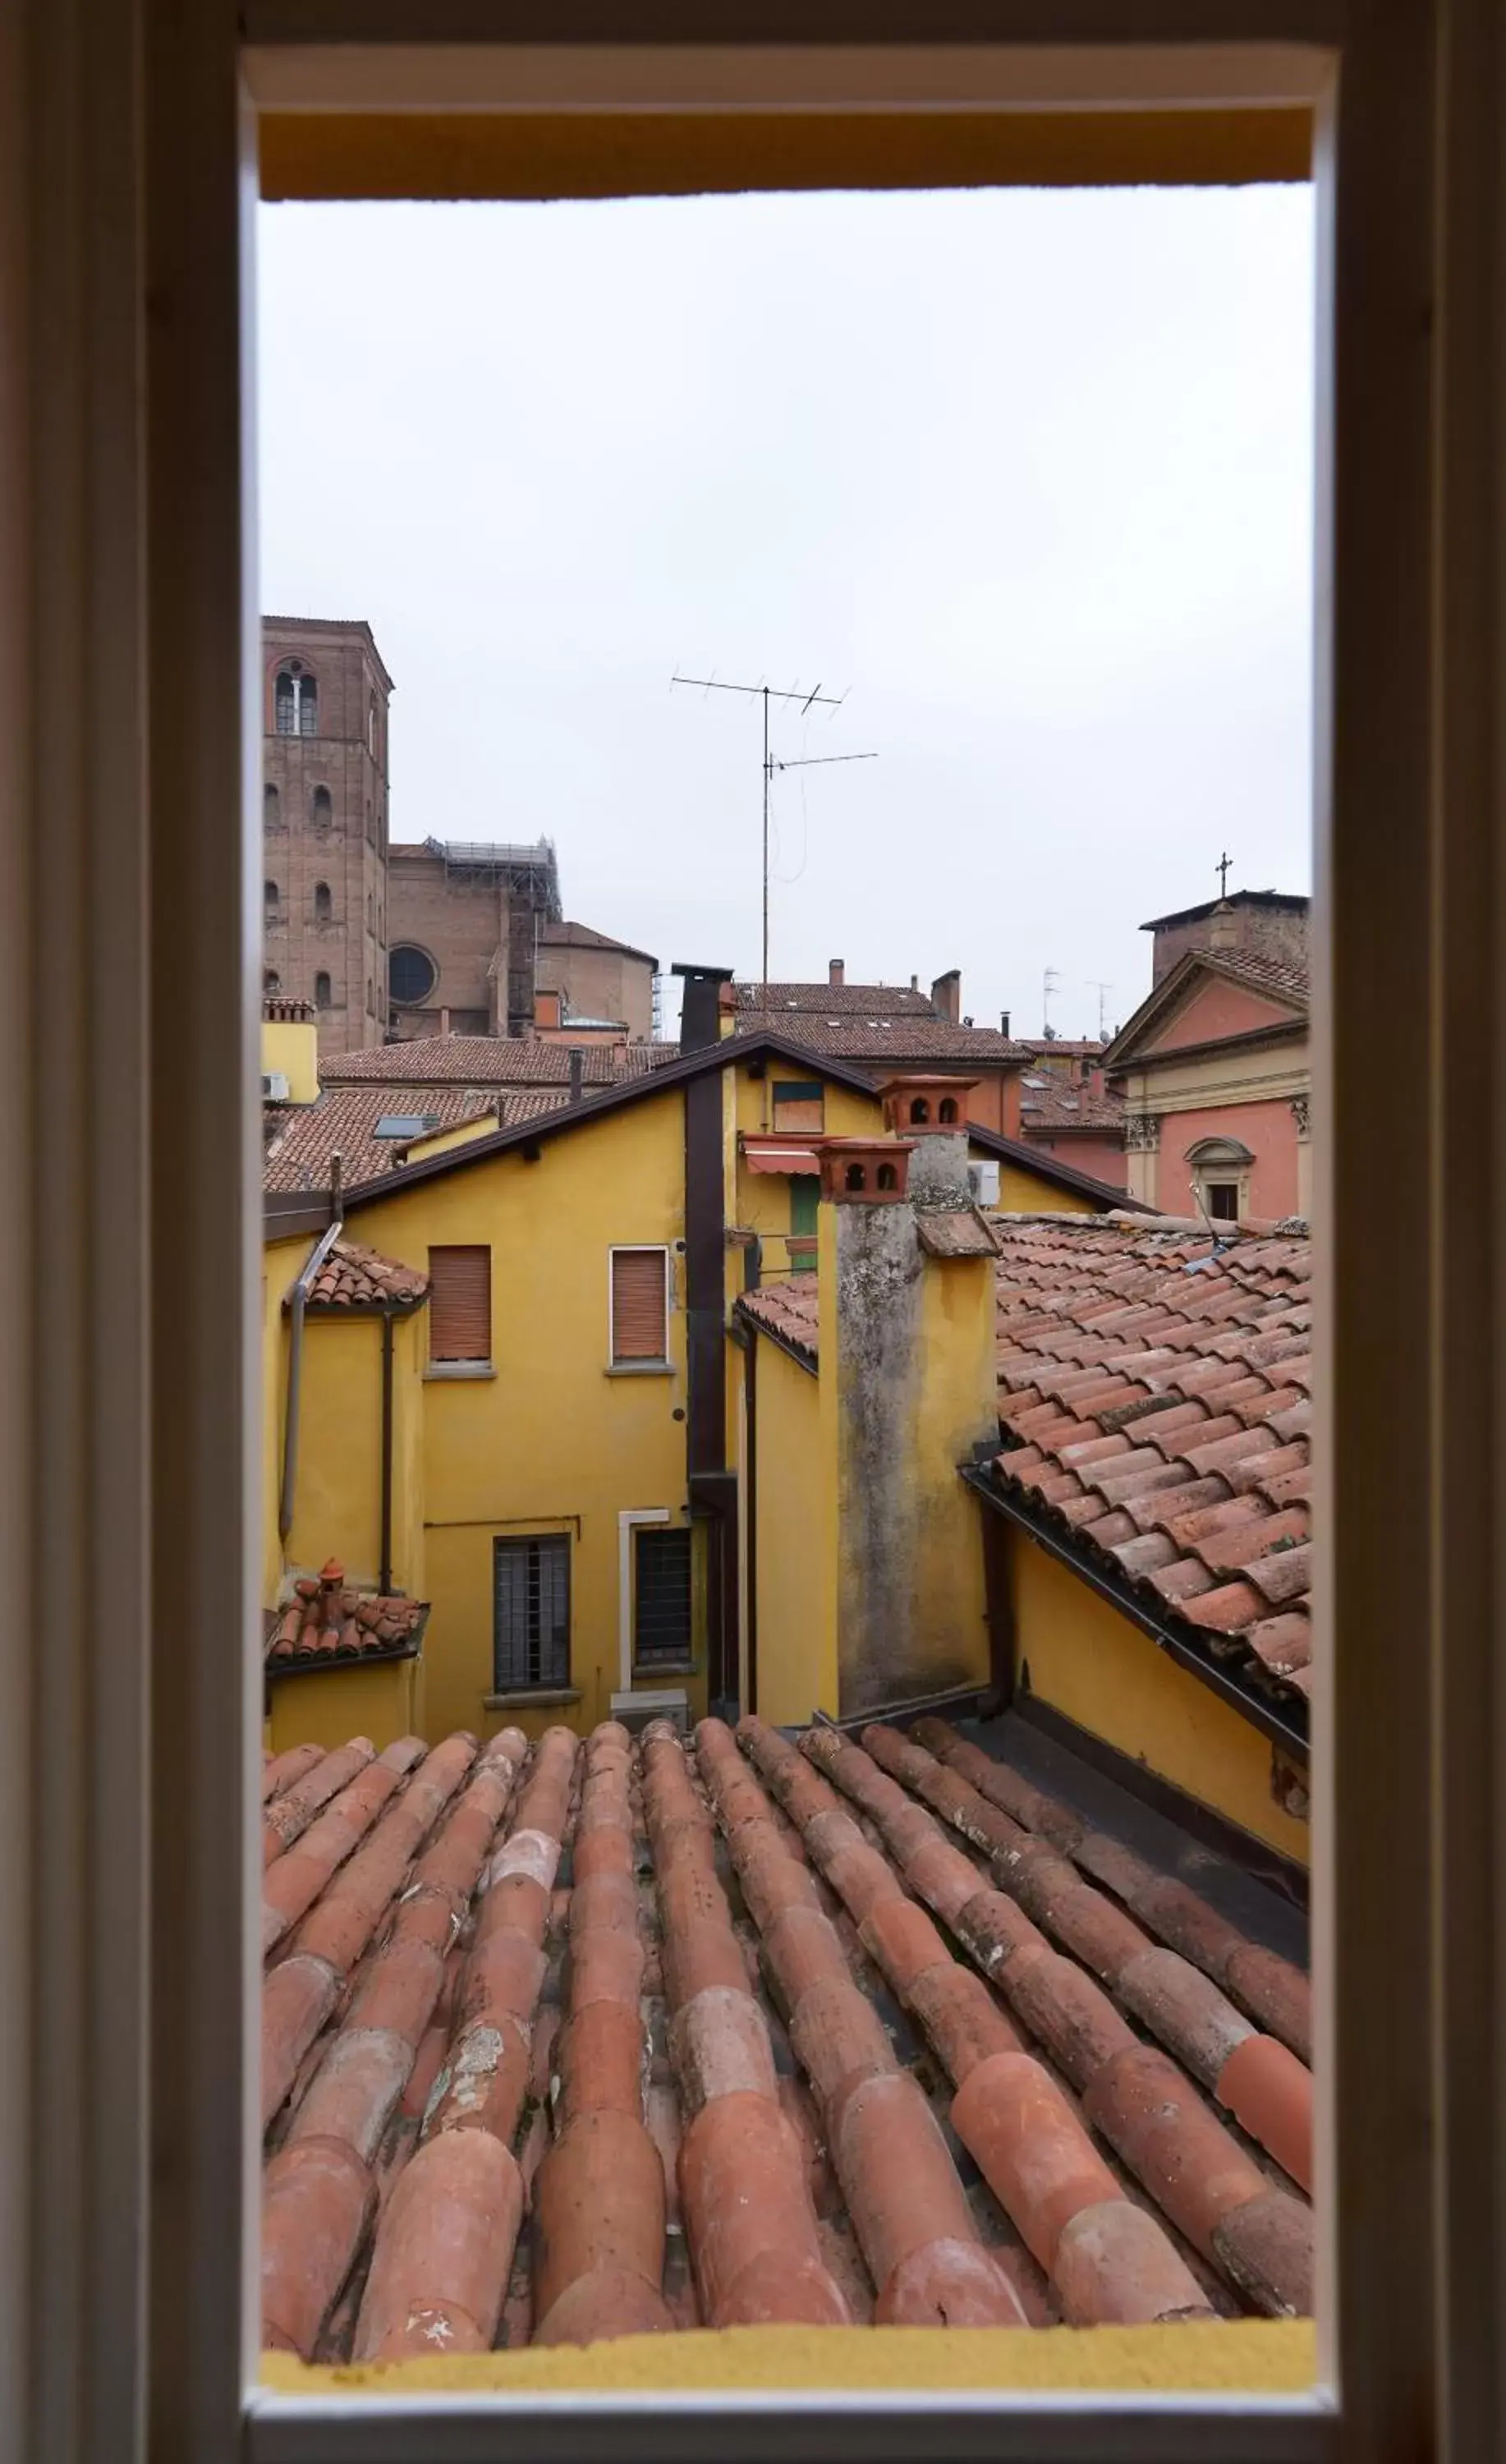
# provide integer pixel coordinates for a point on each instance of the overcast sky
(1028, 475)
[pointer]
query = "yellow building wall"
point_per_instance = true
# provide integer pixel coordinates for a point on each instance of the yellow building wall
(1088, 1661)
(795, 1491)
(463, 1133)
(282, 1263)
(295, 1051)
(410, 1359)
(1023, 1193)
(760, 1201)
(552, 1441)
(957, 1405)
(336, 1502)
(383, 1703)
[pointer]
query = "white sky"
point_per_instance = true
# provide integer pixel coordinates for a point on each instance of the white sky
(1030, 474)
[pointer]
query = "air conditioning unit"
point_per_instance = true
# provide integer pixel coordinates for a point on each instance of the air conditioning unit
(983, 1179)
(274, 1085)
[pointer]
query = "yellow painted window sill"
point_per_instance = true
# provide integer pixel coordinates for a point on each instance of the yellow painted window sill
(1226, 2357)
(533, 1698)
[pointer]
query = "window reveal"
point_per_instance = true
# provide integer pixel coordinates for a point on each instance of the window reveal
(531, 1614)
(640, 1311)
(460, 1304)
(662, 1619)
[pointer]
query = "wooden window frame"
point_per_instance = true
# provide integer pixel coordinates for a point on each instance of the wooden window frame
(127, 2148)
(635, 1364)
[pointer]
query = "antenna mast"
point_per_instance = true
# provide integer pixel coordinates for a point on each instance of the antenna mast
(767, 693)
(1097, 985)
(1051, 977)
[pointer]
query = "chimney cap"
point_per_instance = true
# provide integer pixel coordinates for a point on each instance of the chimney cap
(923, 1102)
(865, 1172)
(702, 975)
(836, 970)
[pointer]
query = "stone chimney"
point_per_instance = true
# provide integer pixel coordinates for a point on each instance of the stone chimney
(1003, 1022)
(1223, 927)
(947, 994)
(836, 970)
(907, 1372)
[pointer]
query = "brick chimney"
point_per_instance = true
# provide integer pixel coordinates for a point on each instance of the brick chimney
(836, 970)
(946, 996)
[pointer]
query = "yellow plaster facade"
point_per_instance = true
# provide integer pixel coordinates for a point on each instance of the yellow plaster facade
(1087, 1661)
(552, 1440)
(384, 1701)
(290, 1048)
(790, 1553)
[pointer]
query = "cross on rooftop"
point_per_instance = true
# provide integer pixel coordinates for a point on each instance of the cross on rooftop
(1222, 869)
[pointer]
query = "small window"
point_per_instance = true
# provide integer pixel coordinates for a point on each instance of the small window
(412, 975)
(271, 807)
(799, 1104)
(322, 808)
(321, 992)
(531, 1614)
(920, 1110)
(371, 726)
(1222, 1200)
(856, 1178)
(640, 1304)
(272, 981)
(661, 1636)
(888, 1177)
(406, 1125)
(268, 892)
(324, 903)
(946, 1109)
(460, 1305)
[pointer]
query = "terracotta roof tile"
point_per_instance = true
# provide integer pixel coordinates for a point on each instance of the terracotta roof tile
(883, 1035)
(833, 1000)
(327, 1623)
(353, 1276)
(788, 1310)
(343, 1121)
(1214, 1352)
(563, 2042)
(490, 1061)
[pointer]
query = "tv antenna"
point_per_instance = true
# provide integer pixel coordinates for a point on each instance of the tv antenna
(1097, 985)
(1050, 980)
(767, 693)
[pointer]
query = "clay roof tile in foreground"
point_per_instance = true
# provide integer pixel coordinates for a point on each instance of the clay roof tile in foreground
(1194, 1355)
(564, 2042)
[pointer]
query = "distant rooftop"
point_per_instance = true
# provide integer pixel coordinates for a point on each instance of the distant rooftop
(1287, 902)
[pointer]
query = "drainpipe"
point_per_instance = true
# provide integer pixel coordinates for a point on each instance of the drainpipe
(300, 1294)
(384, 1576)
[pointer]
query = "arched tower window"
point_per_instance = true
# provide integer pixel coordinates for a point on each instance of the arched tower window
(321, 990)
(322, 808)
(946, 1110)
(271, 807)
(268, 892)
(272, 981)
(324, 903)
(920, 1110)
(888, 1177)
(371, 726)
(295, 700)
(856, 1178)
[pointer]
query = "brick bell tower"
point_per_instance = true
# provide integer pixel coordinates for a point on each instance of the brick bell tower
(325, 694)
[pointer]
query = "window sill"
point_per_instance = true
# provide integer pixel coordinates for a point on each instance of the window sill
(639, 1369)
(443, 1372)
(650, 1676)
(533, 1698)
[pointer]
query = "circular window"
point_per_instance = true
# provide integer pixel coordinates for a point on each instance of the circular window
(412, 975)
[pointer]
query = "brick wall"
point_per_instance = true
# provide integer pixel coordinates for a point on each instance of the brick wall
(600, 983)
(325, 830)
(460, 921)
(1274, 931)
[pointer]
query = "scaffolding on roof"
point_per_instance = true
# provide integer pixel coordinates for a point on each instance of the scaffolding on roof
(531, 873)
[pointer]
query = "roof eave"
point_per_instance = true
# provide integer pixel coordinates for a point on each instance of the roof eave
(1279, 1711)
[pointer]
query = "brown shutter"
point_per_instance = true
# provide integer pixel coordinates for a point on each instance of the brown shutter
(460, 1305)
(638, 1304)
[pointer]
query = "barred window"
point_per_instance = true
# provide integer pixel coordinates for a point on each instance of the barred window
(662, 1637)
(531, 1612)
